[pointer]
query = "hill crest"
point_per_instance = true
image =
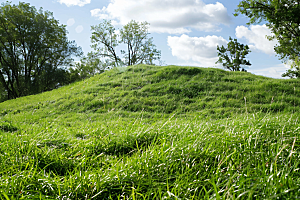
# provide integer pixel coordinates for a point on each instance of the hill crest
(166, 89)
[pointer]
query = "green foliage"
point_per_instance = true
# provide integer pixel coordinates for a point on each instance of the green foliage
(294, 72)
(3, 94)
(180, 133)
(134, 35)
(33, 46)
(88, 66)
(140, 48)
(282, 18)
(234, 55)
(105, 41)
(51, 77)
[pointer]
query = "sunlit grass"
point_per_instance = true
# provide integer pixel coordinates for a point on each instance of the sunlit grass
(126, 135)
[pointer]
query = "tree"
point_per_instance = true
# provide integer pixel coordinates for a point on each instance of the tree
(3, 95)
(105, 41)
(50, 78)
(33, 46)
(235, 57)
(283, 19)
(294, 72)
(88, 66)
(139, 47)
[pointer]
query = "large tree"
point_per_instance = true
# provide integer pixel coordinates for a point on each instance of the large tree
(140, 48)
(283, 19)
(105, 42)
(134, 36)
(33, 47)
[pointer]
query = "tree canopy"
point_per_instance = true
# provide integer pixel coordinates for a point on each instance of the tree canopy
(233, 56)
(105, 42)
(33, 49)
(283, 19)
(88, 66)
(139, 48)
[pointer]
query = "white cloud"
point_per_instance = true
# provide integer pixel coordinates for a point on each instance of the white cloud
(172, 16)
(273, 72)
(74, 2)
(202, 50)
(256, 36)
(71, 22)
(98, 13)
(79, 29)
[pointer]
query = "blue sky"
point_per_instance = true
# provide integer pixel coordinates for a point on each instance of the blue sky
(186, 31)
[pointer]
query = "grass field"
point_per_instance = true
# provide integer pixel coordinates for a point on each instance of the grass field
(150, 132)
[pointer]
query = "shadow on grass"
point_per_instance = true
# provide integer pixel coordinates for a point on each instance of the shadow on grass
(120, 146)
(7, 127)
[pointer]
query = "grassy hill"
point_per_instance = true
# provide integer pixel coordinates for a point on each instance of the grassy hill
(148, 132)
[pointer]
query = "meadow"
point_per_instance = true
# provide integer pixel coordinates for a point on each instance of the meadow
(152, 132)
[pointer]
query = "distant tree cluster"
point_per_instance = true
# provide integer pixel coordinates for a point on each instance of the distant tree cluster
(36, 55)
(133, 42)
(33, 49)
(138, 48)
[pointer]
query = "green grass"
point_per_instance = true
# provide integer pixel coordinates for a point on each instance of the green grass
(147, 132)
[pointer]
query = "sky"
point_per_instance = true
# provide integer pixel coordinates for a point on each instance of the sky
(186, 31)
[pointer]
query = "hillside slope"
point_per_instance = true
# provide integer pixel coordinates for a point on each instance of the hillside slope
(148, 132)
(167, 90)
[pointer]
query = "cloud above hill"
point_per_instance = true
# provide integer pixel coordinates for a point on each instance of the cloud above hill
(74, 2)
(172, 16)
(202, 50)
(274, 71)
(256, 37)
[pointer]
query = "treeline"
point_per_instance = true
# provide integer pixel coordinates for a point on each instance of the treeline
(36, 55)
